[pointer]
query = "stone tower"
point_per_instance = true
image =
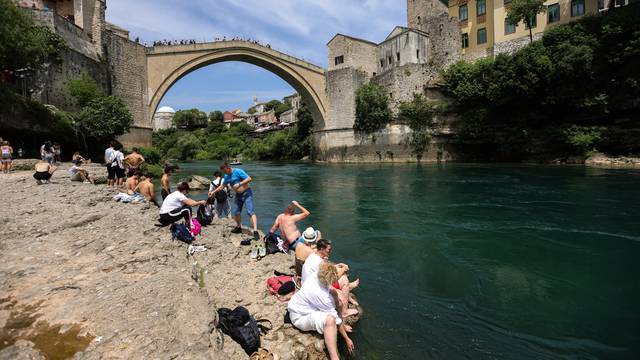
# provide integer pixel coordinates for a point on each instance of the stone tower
(432, 17)
(98, 25)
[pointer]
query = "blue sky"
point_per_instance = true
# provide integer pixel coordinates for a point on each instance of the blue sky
(299, 27)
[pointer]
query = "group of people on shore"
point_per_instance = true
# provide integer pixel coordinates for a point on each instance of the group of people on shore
(322, 302)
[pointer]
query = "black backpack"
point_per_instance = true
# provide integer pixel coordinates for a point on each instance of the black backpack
(271, 242)
(242, 327)
(205, 216)
(221, 196)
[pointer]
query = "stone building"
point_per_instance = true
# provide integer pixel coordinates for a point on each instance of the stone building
(163, 118)
(101, 49)
(484, 30)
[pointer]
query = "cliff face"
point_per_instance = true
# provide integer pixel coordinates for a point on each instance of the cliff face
(76, 265)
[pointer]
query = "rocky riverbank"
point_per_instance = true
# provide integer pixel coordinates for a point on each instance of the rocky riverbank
(81, 274)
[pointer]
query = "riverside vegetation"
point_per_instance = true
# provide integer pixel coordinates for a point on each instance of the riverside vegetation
(575, 91)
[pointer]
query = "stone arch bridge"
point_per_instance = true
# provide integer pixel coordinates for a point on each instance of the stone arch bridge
(168, 64)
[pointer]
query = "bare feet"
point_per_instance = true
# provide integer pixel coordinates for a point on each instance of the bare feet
(354, 284)
(349, 312)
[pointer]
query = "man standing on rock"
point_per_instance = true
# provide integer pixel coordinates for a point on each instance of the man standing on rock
(134, 160)
(239, 181)
(109, 156)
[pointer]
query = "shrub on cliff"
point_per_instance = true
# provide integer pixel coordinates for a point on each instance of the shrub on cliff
(372, 109)
(83, 90)
(23, 44)
(104, 118)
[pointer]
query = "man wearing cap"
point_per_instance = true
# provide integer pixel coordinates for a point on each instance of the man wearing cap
(286, 222)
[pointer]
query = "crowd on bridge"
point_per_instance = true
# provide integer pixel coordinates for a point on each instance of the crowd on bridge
(166, 42)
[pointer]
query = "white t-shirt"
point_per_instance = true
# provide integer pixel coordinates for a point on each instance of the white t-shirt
(214, 184)
(118, 159)
(311, 266)
(313, 297)
(108, 155)
(173, 202)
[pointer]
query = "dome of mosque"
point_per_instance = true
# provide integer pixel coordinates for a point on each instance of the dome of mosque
(166, 109)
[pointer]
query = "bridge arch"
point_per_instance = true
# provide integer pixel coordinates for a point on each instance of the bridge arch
(168, 64)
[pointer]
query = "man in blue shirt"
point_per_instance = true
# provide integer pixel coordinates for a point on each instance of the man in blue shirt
(239, 181)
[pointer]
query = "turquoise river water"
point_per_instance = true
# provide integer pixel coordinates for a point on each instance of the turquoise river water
(461, 261)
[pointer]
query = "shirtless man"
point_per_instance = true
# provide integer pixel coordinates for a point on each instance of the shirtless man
(134, 160)
(132, 183)
(166, 182)
(286, 222)
(145, 188)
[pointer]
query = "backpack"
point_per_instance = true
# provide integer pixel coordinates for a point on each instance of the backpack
(221, 196)
(273, 243)
(242, 327)
(196, 228)
(205, 216)
(281, 286)
(181, 232)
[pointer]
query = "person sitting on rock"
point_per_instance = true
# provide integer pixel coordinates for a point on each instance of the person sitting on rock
(80, 174)
(44, 171)
(341, 288)
(178, 206)
(304, 249)
(312, 308)
(145, 188)
(286, 223)
(77, 158)
(132, 183)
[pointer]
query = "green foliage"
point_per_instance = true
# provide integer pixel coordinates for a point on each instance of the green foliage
(277, 106)
(156, 169)
(24, 44)
(304, 126)
(216, 117)
(372, 109)
(190, 119)
(580, 75)
(525, 11)
(84, 90)
(104, 118)
(583, 139)
(417, 113)
(151, 155)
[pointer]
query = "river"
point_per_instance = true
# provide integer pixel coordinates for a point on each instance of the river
(461, 261)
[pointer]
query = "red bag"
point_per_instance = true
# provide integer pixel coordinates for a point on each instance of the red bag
(274, 284)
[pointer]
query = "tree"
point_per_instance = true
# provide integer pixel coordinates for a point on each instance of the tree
(372, 108)
(525, 11)
(24, 44)
(417, 113)
(84, 89)
(216, 116)
(104, 118)
(190, 119)
(304, 124)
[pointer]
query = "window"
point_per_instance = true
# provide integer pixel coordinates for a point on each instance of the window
(339, 59)
(390, 60)
(419, 20)
(481, 7)
(418, 54)
(509, 28)
(398, 56)
(465, 40)
(553, 13)
(463, 12)
(534, 23)
(482, 36)
(381, 62)
(577, 8)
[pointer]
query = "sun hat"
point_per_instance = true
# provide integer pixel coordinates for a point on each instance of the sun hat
(310, 235)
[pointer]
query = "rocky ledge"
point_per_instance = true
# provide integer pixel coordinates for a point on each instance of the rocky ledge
(83, 276)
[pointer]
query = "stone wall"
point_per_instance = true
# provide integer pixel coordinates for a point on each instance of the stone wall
(511, 46)
(403, 48)
(358, 54)
(388, 145)
(402, 82)
(128, 76)
(75, 38)
(341, 96)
